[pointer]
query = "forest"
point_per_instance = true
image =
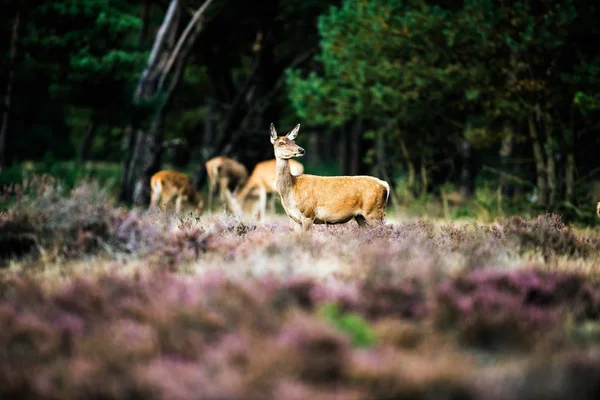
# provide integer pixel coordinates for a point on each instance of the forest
(482, 116)
(487, 105)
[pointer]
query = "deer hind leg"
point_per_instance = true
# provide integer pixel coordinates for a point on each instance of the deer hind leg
(211, 192)
(223, 186)
(377, 217)
(156, 194)
(166, 199)
(178, 201)
(154, 199)
(362, 222)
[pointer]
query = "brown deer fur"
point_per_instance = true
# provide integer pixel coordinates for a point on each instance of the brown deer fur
(598, 209)
(167, 185)
(227, 173)
(309, 199)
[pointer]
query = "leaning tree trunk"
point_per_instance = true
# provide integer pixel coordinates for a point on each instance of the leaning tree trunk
(169, 51)
(540, 165)
(9, 85)
(130, 142)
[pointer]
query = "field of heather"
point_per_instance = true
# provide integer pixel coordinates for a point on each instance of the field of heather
(103, 302)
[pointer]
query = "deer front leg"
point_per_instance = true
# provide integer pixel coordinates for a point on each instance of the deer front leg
(262, 196)
(178, 204)
(295, 226)
(272, 203)
(154, 200)
(307, 224)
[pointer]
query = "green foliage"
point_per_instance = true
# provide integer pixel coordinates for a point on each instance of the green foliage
(586, 102)
(69, 173)
(351, 323)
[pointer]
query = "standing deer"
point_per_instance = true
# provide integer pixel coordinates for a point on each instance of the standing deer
(166, 185)
(262, 182)
(310, 199)
(227, 173)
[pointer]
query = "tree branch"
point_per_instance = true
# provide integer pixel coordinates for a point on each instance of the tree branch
(152, 69)
(192, 29)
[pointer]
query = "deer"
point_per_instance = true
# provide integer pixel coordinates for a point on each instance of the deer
(311, 199)
(598, 209)
(227, 173)
(167, 185)
(262, 182)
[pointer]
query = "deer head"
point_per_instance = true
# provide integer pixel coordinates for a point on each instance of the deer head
(285, 147)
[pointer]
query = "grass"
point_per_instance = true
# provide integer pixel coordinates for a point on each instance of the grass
(99, 301)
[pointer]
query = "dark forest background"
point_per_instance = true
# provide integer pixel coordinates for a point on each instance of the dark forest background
(470, 108)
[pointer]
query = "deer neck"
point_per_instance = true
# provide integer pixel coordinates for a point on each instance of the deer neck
(283, 179)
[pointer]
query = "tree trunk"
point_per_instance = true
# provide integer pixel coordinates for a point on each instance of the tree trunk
(570, 177)
(506, 149)
(14, 39)
(466, 178)
(342, 151)
(410, 166)
(130, 142)
(550, 168)
(382, 169)
(355, 141)
(313, 146)
(85, 148)
(146, 90)
(144, 17)
(151, 157)
(206, 147)
(540, 166)
(138, 145)
(127, 149)
(166, 54)
(381, 157)
(424, 176)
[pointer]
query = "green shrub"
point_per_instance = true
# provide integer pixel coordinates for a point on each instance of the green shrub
(352, 324)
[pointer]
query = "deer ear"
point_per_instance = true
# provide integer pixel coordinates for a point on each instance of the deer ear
(293, 133)
(273, 134)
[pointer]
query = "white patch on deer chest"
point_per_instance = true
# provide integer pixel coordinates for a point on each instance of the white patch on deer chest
(291, 209)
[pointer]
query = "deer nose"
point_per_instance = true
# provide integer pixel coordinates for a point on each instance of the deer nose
(301, 150)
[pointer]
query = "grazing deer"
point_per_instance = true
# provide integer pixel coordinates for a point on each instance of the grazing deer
(227, 173)
(262, 182)
(309, 199)
(166, 185)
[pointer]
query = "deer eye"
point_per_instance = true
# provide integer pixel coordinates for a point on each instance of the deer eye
(280, 143)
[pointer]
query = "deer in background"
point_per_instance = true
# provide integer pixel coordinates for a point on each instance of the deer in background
(167, 185)
(598, 209)
(310, 199)
(262, 183)
(226, 174)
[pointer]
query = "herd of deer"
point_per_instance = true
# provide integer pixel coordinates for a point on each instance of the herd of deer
(306, 199)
